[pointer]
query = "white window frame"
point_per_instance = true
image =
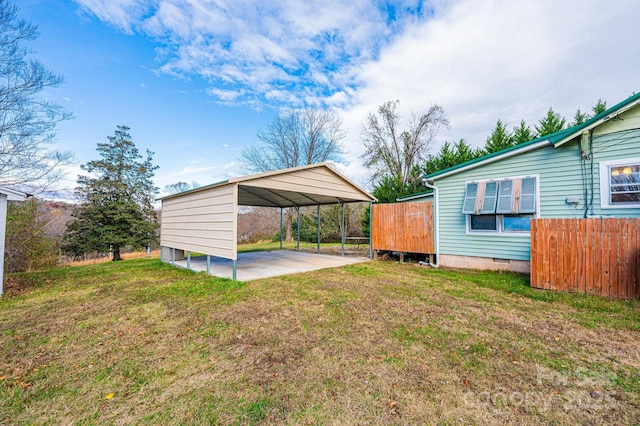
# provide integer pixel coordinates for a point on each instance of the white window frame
(500, 217)
(605, 188)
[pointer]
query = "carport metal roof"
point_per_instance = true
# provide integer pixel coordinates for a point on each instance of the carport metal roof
(315, 184)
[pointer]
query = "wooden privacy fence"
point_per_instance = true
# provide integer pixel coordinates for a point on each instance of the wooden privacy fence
(593, 256)
(403, 227)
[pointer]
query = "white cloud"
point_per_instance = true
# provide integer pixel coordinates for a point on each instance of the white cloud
(258, 46)
(122, 14)
(484, 60)
(225, 95)
(480, 59)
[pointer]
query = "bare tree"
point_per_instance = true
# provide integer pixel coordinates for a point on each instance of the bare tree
(178, 187)
(27, 121)
(393, 153)
(296, 138)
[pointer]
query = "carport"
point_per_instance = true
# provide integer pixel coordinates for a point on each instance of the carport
(204, 220)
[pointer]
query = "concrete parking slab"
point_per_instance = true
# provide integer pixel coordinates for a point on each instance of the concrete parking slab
(264, 264)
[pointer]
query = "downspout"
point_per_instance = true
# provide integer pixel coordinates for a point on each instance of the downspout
(436, 222)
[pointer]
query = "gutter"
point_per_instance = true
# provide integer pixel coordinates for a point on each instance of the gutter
(436, 221)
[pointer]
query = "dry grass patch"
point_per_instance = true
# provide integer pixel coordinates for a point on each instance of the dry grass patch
(378, 343)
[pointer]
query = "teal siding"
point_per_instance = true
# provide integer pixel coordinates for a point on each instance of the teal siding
(560, 176)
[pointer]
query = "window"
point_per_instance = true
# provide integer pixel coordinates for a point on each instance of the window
(501, 206)
(620, 184)
(517, 222)
(483, 222)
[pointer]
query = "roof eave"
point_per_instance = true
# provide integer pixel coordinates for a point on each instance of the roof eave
(471, 165)
(13, 195)
(191, 191)
(415, 196)
(608, 115)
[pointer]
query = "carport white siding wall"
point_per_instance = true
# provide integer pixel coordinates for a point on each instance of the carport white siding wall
(204, 222)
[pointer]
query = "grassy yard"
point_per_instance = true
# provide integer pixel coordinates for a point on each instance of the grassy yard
(139, 341)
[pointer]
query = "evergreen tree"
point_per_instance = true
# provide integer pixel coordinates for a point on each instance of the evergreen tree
(440, 161)
(579, 118)
(551, 123)
(599, 107)
(522, 133)
(465, 153)
(450, 156)
(389, 188)
(116, 208)
(499, 139)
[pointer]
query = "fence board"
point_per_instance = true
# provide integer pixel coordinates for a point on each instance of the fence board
(581, 242)
(588, 257)
(534, 251)
(403, 227)
(595, 256)
(545, 249)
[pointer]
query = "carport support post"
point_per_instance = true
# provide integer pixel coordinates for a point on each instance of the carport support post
(173, 256)
(370, 229)
(318, 228)
(298, 247)
(208, 265)
(188, 260)
(235, 268)
(280, 228)
(342, 227)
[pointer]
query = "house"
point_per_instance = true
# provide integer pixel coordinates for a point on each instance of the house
(483, 208)
(6, 194)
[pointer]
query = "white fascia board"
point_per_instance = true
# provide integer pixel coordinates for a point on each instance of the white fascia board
(402, 199)
(596, 124)
(13, 195)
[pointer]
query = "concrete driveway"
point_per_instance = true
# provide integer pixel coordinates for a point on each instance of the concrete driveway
(264, 264)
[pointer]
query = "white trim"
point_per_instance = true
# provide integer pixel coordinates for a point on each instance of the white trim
(605, 188)
(500, 232)
(597, 123)
(414, 197)
(436, 221)
(493, 159)
(13, 195)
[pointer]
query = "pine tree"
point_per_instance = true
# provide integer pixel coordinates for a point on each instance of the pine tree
(464, 152)
(551, 123)
(522, 133)
(116, 208)
(579, 118)
(599, 107)
(499, 139)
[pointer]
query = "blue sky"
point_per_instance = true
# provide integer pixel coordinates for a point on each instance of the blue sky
(197, 79)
